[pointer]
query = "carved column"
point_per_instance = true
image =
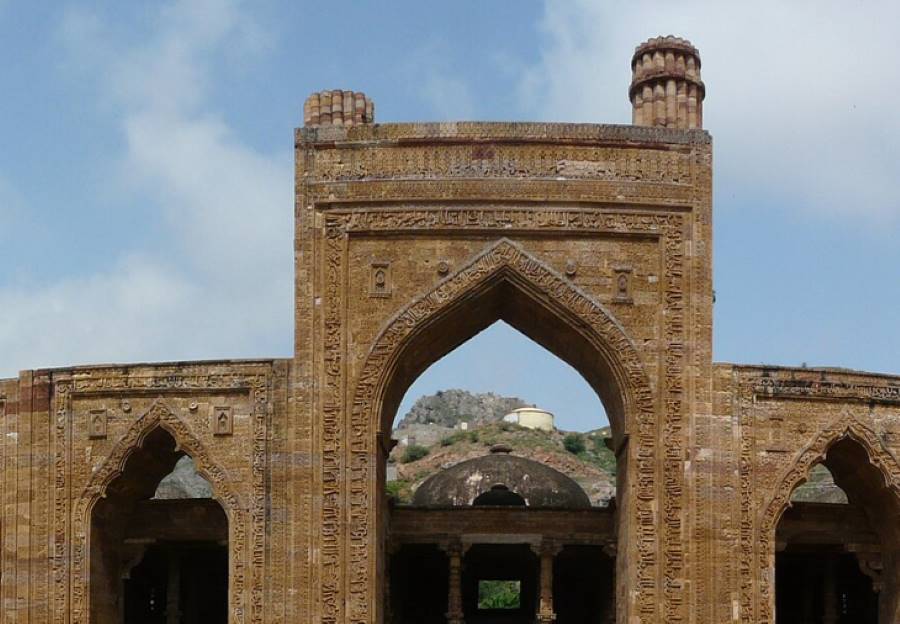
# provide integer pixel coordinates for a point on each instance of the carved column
(829, 593)
(547, 551)
(455, 613)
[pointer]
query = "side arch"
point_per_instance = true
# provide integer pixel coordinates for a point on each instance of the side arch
(601, 351)
(879, 457)
(159, 416)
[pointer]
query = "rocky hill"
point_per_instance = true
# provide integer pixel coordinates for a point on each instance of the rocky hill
(447, 408)
(183, 482)
(819, 488)
(431, 439)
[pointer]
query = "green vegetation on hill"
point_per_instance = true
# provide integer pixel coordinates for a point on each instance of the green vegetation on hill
(413, 453)
(436, 442)
(585, 457)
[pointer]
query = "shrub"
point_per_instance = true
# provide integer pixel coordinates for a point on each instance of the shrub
(398, 490)
(574, 443)
(499, 594)
(413, 452)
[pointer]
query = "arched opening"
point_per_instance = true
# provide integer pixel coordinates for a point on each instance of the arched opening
(837, 544)
(512, 299)
(492, 547)
(499, 496)
(158, 542)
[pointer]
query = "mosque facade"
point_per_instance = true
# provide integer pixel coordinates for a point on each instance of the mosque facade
(593, 240)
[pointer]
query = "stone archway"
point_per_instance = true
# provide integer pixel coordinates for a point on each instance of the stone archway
(504, 282)
(874, 471)
(159, 419)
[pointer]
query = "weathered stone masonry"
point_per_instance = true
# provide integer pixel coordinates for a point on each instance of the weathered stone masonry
(410, 238)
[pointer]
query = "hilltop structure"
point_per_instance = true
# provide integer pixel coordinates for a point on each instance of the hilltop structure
(531, 418)
(593, 240)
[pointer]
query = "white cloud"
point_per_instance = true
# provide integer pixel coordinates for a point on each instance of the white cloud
(799, 93)
(220, 285)
(94, 318)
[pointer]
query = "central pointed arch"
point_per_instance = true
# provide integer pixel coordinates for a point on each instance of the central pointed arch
(505, 282)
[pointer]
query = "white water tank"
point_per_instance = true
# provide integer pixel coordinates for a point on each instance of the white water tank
(531, 418)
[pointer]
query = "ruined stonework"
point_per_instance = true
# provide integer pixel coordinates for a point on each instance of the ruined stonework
(593, 240)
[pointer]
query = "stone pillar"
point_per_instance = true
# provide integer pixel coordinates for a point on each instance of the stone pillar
(666, 90)
(455, 613)
(547, 551)
(173, 589)
(829, 593)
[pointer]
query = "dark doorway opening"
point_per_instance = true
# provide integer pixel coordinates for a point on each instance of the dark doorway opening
(418, 585)
(179, 583)
(155, 559)
(816, 587)
(584, 580)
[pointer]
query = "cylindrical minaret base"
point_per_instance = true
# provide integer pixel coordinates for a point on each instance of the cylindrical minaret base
(666, 90)
(338, 108)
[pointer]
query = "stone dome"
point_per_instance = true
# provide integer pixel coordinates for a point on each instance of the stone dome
(498, 479)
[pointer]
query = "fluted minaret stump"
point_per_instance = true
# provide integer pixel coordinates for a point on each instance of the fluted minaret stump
(666, 90)
(338, 108)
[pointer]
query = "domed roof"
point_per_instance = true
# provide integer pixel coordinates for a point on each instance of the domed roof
(538, 484)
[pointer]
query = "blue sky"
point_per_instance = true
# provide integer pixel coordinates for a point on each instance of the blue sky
(146, 175)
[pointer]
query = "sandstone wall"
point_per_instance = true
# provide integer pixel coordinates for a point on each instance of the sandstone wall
(68, 436)
(593, 240)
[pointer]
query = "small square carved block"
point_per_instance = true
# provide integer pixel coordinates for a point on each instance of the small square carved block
(622, 285)
(223, 421)
(380, 280)
(97, 424)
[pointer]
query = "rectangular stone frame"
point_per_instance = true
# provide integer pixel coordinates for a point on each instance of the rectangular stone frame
(783, 419)
(45, 578)
(502, 180)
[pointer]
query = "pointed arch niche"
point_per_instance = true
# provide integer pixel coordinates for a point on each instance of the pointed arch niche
(506, 283)
(152, 559)
(834, 562)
